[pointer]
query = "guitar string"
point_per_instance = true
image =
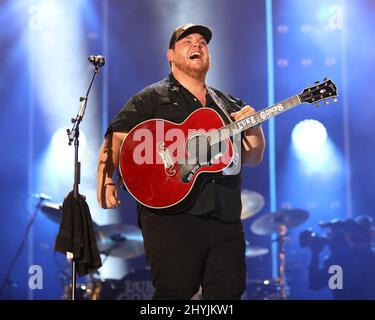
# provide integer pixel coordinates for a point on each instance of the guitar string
(290, 102)
(182, 148)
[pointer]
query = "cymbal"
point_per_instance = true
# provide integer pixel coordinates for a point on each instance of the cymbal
(52, 211)
(120, 240)
(116, 240)
(255, 251)
(271, 222)
(252, 203)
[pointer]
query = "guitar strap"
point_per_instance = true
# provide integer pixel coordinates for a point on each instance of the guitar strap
(235, 168)
(222, 106)
(219, 102)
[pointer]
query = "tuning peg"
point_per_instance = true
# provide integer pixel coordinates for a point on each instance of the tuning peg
(325, 79)
(317, 105)
(316, 82)
(334, 100)
(326, 103)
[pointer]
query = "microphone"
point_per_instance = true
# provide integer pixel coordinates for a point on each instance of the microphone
(97, 61)
(42, 196)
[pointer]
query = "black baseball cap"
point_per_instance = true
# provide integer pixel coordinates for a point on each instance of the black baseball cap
(189, 28)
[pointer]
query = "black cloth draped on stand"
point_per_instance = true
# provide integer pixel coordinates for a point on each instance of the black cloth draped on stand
(77, 235)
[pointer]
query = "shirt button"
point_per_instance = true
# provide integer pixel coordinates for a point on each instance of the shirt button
(195, 99)
(213, 180)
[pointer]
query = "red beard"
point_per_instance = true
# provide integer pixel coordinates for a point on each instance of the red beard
(198, 73)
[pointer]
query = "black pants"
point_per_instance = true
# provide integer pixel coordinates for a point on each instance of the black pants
(186, 251)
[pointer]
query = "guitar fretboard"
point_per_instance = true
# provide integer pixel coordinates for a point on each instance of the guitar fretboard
(255, 119)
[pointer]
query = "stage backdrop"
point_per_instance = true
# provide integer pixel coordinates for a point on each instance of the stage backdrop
(261, 51)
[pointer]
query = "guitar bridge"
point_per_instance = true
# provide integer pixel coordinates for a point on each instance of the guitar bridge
(167, 159)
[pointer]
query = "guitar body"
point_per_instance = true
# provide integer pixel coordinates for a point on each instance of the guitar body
(162, 163)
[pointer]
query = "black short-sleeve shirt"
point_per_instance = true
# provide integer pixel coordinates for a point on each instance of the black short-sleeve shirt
(169, 100)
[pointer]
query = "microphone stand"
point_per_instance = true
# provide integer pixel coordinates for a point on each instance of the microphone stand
(8, 281)
(73, 135)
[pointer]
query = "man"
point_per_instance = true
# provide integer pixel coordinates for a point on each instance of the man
(204, 245)
(350, 244)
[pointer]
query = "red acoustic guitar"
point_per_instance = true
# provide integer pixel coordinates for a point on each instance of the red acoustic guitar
(163, 164)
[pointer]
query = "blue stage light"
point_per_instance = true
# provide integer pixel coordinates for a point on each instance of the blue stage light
(314, 151)
(309, 136)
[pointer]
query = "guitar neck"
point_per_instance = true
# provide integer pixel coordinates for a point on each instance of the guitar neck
(253, 120)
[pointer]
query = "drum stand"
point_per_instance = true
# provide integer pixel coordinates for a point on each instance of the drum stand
(280, 223)
(282, 262)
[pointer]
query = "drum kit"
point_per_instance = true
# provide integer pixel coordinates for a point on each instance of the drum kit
(113, 240)
(277, 224)
(126, 241)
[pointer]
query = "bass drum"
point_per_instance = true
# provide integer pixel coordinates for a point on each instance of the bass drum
(136, 285)
(89, 291)
(263, 290)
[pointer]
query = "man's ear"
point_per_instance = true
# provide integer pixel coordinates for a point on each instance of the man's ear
(170, 55)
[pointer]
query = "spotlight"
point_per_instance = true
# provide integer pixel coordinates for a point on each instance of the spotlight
(60, 153)
(282, 28)
(282, 63)
(307, 62)
(305, 28)
(330, 62)
(309, 136)
(315, 152)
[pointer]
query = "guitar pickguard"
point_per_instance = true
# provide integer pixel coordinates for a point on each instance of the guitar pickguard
(207, 158)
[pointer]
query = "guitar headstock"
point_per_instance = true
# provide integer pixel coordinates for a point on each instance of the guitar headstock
(319, 92)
